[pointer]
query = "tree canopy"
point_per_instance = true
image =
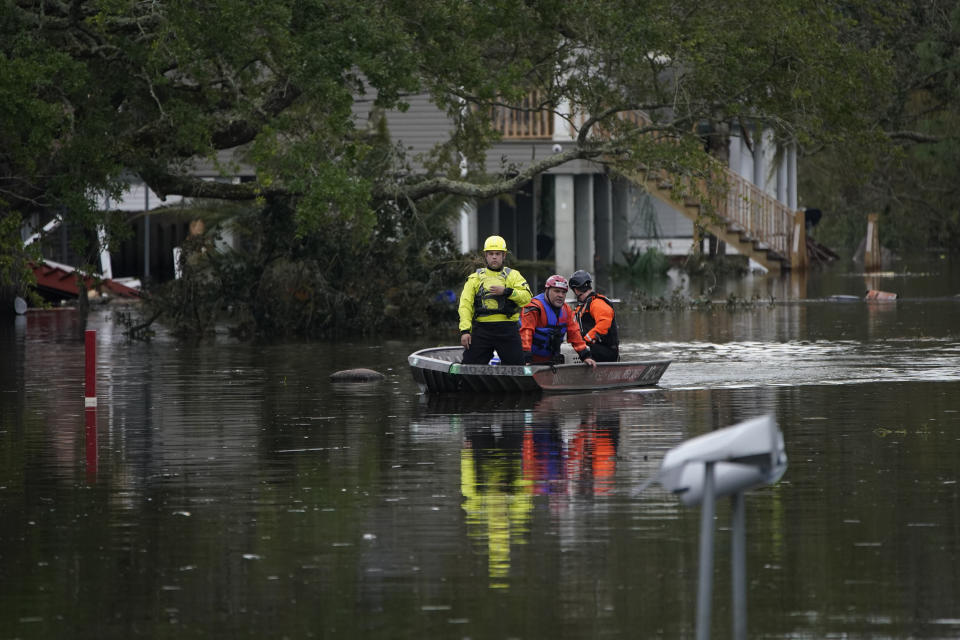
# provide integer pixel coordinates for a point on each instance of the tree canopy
(912, 179)
(94, 91)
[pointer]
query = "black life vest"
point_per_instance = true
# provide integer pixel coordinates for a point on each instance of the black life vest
(588, 322)
(505, 305)
(547, 340)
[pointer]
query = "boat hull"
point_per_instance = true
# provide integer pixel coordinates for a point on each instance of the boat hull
(440, 370)
(606, 375)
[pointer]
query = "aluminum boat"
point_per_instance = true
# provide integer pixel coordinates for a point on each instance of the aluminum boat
(439, 369)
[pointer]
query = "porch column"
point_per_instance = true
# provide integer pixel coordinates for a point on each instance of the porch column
(619, 202)
(759, 168)
(872, 260)
(526, 221)
(537, 188)
(782, 177)
(488, 220)
(563, 217)
(603, 208)
(583, 223)
(467, 228)
(106, 267)
(736, 142)
(792, 177)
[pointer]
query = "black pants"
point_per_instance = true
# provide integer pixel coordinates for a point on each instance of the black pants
(487, 336)
(603, 353)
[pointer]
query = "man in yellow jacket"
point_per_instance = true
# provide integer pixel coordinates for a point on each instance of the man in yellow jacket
(490, 306)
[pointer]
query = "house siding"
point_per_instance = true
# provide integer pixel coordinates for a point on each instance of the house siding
(423, 125)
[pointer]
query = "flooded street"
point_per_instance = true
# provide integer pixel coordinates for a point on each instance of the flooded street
(231, 490)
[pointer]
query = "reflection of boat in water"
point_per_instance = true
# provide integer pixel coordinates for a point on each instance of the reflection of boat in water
(440, 369)
(511, 462)
(445, 404)
(463, 403)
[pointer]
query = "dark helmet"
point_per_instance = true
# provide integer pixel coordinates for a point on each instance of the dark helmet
(581, 280)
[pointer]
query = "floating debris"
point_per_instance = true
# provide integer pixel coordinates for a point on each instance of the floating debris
(844, 298)
(356, 375)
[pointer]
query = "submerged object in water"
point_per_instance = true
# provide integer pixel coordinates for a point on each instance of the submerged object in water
(356, 375)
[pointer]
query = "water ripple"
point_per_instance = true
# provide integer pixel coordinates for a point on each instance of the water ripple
(698, 365)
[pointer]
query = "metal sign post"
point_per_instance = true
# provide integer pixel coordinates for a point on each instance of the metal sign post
(705, 580)
(726, 462)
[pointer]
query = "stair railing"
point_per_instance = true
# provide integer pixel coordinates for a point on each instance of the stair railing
(746, 208)
(759, 215)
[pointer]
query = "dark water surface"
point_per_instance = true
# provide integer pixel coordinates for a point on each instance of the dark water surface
(231, 490)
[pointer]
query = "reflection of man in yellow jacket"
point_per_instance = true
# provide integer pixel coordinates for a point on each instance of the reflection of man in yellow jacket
(490, 306)
(497, 498)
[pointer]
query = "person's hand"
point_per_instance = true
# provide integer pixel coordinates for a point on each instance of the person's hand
(465, 340)
(496, 289)
(591, 362)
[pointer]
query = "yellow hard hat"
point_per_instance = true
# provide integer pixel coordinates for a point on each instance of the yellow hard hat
(495, 243)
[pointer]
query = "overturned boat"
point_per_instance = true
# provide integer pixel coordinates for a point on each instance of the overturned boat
(440, 369)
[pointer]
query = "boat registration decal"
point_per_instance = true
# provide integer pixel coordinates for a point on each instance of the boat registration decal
(455, 368)
(624, 374)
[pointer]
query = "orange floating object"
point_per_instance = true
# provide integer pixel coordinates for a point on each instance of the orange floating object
(873, 294)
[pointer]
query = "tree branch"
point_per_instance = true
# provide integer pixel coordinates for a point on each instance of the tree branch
(914, 136)
(165, 184)
(236, 133)
(433, 186)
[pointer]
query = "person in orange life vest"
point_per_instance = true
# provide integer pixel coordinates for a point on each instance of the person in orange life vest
(489, 309)
(546, 321)
(596, 319)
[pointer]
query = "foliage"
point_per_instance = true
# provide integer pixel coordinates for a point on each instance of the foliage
(93, 91)
(678, 301)
(910, 175)
(97, 88)
(279, 281)
(16, 277)
(640, 265)
(720, 266)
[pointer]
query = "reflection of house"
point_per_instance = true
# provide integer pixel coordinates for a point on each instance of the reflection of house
(580, 216)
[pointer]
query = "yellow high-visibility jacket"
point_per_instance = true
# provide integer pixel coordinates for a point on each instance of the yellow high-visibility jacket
(478, 305)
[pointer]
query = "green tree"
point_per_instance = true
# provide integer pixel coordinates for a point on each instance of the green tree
(910, 173)
(94, 90)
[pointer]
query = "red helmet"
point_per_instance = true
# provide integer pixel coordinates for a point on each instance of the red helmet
(557, 281)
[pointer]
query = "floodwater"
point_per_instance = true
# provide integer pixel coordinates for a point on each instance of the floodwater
(230, 490)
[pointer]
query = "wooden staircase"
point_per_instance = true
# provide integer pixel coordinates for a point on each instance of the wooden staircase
(754, 223)
(745, 217)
